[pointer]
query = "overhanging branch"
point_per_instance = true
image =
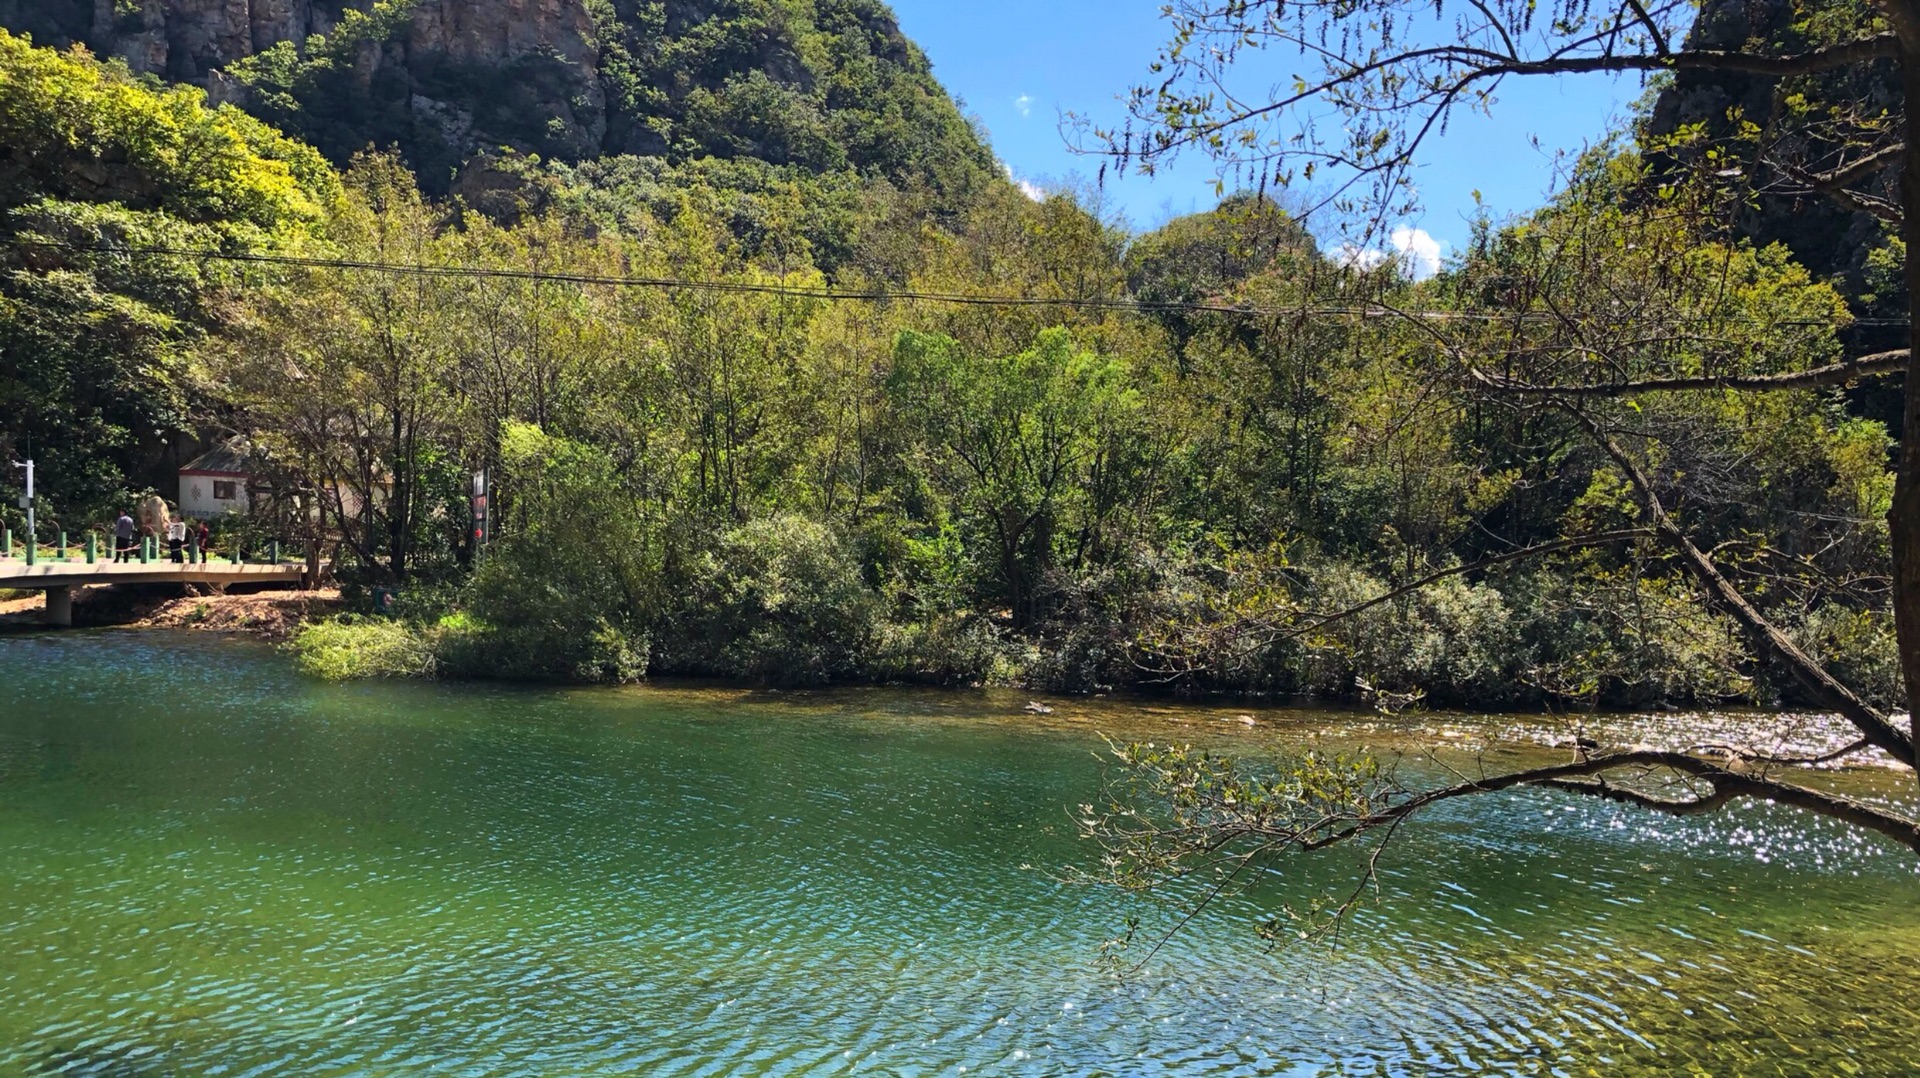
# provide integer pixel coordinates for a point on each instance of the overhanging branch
(1853, 171)
(1812, 61)
(1726, 784)
(1572, 543)
(1835, 374)
(1824, 688)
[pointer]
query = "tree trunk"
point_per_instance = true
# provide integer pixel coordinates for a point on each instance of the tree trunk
(1010, 566)
(1904, 518)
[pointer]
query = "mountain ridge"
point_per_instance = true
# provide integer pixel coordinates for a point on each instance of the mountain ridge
(828, 85)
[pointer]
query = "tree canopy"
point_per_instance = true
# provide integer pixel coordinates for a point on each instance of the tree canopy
(100, 351)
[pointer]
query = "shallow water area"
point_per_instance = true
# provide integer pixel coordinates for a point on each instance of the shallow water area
(209, 866)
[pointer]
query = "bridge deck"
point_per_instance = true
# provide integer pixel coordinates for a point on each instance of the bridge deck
(16, 573)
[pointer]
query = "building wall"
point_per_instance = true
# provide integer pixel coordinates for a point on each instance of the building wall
(199, 494)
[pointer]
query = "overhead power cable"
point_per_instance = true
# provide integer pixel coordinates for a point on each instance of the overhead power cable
(827, 293)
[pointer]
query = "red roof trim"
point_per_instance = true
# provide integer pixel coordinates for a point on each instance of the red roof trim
(216, 475)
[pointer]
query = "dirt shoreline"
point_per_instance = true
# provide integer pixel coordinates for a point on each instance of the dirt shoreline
(266, 615)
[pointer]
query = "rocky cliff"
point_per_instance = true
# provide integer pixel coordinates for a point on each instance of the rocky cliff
(1828, 239)
(827, 85)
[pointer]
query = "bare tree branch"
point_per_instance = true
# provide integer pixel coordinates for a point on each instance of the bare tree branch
(1835, 374)
(1872, 205)
(1728, 784)
(1671, 806)
(1572, 543)
(1750, 757)
(1766, 636)
(1813, 61)
(1853, 171)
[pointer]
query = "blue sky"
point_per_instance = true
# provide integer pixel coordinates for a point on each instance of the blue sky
(1019, 66)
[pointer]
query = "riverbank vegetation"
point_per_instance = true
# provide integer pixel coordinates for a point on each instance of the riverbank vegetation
(1212, 456)
(1690, 362)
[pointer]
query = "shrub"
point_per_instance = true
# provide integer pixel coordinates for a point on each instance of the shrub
(947, 650)
(594, 652)
(567, 595)
(351, 647)
(1619, 639)
(778, 600)
(1452, 638)
(1859, 648)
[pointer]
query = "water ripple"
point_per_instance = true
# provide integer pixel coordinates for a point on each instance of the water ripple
(215, 868)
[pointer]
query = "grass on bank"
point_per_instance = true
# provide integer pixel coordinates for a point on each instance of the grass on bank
(352, 647)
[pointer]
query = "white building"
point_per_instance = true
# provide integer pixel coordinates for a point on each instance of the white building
(215, 482)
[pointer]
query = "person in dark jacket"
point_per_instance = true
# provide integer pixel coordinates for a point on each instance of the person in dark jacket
(123, 537)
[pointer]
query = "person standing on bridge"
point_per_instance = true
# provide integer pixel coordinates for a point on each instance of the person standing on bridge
(123, 537)
(177, 539)
(202, 535)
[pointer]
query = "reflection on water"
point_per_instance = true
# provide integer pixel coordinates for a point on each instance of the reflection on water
(211, 867)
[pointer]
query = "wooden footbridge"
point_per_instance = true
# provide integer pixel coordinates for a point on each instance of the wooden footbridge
(59, 577)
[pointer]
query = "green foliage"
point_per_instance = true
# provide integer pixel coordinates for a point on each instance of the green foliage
(320, 90)
(1012, 439)
(820, 86)
(568, 594)
(101, 354)
(778, 600)
(775, 489)
(286, 72)
(1859, 647)
(91, 372)
(80, 130)
(1169, 812)
(351, 647)
(815, 84)
(771, 487)
(780, 215)
(1201, 257)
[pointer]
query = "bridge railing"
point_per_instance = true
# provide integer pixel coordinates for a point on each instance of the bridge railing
(96, 546)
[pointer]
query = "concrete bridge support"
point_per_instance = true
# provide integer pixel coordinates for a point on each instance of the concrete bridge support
(59, 607)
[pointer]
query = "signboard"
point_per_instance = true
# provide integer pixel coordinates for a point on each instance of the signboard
(479, 508)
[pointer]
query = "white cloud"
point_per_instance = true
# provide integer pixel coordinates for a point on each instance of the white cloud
(1360, 258)
(1414, 249)
(1027, 187)
(1024, 103)
(1419, 250)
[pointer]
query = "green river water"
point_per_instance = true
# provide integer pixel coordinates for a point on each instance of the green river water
(209, 866)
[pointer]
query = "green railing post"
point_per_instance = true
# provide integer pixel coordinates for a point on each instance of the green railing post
(273, 552)
(32, 550)
(146, 549)
(93, 547)
(6, 542)
(62, 549)
(193, 550)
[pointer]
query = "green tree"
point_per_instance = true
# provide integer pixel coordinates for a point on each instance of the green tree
(1011, 439)
(102, 348)
(570, 589)
(347, 375)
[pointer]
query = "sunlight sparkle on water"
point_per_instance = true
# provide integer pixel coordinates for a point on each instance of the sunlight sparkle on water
(417, 878)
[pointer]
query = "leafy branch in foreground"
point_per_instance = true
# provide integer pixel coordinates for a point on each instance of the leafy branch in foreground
(1172, 813)
(1660, 358)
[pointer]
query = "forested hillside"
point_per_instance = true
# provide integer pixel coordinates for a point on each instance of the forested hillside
(1207, 457)
(826, 86)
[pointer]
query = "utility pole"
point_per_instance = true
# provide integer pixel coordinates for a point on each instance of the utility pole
(26, 502)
